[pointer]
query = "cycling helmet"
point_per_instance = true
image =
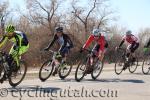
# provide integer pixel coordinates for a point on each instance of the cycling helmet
(128, 32)
(59, 29)
(96, 32)
(10, 28)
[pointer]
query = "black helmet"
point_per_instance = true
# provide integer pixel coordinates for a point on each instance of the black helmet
(59, 29)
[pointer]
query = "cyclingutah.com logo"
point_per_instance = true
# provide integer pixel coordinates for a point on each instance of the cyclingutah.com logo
(54, 93)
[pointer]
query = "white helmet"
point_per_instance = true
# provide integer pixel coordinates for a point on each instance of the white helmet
(128, 32)
(96, 32)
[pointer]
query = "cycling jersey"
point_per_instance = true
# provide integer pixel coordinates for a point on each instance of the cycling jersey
(19, 39)
(130, 39)
(19, 47)
(101, 42)
(64, 41)
(133, 42)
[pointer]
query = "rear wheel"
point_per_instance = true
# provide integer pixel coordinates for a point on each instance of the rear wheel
(64, 70)
(17, 77)
(133, 66)
(98, 66)
(46, 70)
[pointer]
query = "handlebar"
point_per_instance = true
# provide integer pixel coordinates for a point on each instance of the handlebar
(88, 50)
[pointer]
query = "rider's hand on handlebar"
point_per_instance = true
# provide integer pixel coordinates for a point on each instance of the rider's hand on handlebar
(46, 49)
(81, 50)
(117, 48)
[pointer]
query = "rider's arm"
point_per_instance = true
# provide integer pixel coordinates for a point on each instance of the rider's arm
(123, 39)
(88, 42)
(121, 43)
(3, 41)
(52, 42)
(70, 41)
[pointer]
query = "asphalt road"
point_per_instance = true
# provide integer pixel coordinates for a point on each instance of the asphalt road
(108, 86)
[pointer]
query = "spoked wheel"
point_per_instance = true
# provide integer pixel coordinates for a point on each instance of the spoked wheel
(46, 70)
(120, 61)
(17, 77)
(80, 70)
(133, 66)
(97, 69)
(146, 65)
(64, 70)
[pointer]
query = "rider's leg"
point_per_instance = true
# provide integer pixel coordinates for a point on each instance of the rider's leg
(133, 47)
(18, 52)
(95, 51)
(128, 52)
(14, 52)
(101, 56)
(64, 53)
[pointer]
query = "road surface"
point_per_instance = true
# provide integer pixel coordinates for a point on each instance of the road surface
(108, 86)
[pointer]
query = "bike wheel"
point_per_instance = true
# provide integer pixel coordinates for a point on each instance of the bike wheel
(133, 66)
(80, 70)
(146, 65)
(98, 66)
(119, 64)
(46, 70)
(17, 77)
(65, 71)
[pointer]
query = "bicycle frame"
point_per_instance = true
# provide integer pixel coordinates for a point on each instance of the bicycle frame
(54, 60)
(90, 56)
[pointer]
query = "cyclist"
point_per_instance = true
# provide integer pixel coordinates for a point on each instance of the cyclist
(99, 48)
(133, 45)
(65, 44)
(20, 44)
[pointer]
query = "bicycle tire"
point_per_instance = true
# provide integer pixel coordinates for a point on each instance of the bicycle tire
(41, 69)
(17, 83)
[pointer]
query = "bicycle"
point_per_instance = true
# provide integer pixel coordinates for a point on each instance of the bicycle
(12, 72)
(146, 64)
(122, 64)
(84, 64)
(48, 67)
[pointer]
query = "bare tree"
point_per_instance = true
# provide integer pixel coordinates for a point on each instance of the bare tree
(96, 15)
(144, 35)
(78, 11)
(44, 13)
(3, 15)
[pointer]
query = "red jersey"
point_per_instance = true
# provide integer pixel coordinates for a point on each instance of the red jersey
(101, 42)
(130, 39)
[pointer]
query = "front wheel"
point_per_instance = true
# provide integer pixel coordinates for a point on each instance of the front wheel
(98, 66)
(80, 70)
(146, 65)
(119, 64)
(17, 77)
(64, 70)
(46, 70)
